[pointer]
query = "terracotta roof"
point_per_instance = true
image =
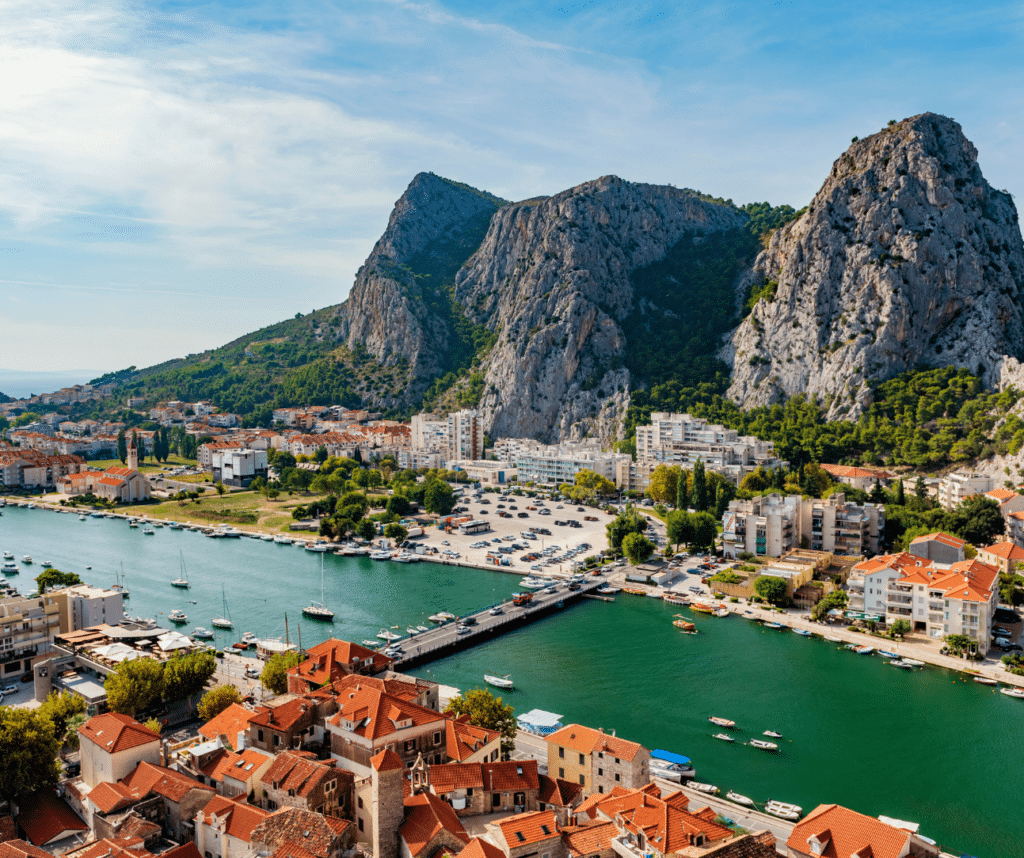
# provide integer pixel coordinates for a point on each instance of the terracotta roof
(229, 723)
(847, 833)
(374, 714)
(317, 835)
(1005, 550)
(45, 818)
(558, 792)
(480, 848)
(239, 819)
(238, 766)
(283, 717)
(899, 562)
(851, 472)
(510, 776)
(665, 823)
(333, 658)
(587, 740)
(426, 816)
(590, 803)
(20, 849)
(111, 847)
(967, 580)
(943, 538)
(301, 774)
(464, 739)
(108, 797)
(146, 778)
(136, 826)
(452, 776)
(760, 845)
(386, 761)
(526, 828)
(186, 850)
(588, 839)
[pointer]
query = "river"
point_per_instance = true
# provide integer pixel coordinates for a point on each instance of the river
(926, 746)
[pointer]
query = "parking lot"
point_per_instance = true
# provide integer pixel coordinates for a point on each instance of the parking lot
(17, 693)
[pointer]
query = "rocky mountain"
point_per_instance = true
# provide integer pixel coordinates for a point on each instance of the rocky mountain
(906, 256)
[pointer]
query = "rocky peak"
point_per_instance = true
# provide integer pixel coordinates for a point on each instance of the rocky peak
(906, 256)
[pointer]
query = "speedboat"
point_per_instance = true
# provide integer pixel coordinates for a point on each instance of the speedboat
(132, 522)
(10, 567)
(319, 547)
(1012, 692)
(763, 745)
(773, 625)
(803, 632)
(412, 631)
(722, 722)
(904, 666)
(888, 654)
(8, 555)
(202, 634)
(984, 680)
(281, 539)
(722, 612)
(709, 789)
(499, 681)
(739, 799)
(388, 635)
(422, 629)
(249, 639)
(913, 662)
(725, 737)
(371, 644)
(532, 582)
(148, 531)
(177, 616)
(381, 555)
(27, 559)
(864, 650)
(772, 733)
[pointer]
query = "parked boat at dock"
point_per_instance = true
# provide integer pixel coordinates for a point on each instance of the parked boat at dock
(709, 789)
(984, 680)
(739, 799)
(1013, 692)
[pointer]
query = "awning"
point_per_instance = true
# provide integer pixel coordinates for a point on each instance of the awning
(669, 757)
(538, 719)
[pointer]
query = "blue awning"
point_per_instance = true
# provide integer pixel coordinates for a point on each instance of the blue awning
(669, 757)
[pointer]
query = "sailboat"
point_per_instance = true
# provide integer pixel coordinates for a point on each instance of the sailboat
(182, 579)
(225, 621)
(120, 586)
(316, 610)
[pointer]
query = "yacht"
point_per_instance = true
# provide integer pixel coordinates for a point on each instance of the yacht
(388, 635)
(47, 564)
(10, 567)
(223, 622)
(8, 555)
(317, 610)
(182, 579)
(249, 639)
(177, 616)
(27, 559)
(202, 634)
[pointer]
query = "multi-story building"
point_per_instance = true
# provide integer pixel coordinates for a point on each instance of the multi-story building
(238, 467)
(598, 761)
(1005, 556)
(112, 745)
(831, 829)
(938, 547)
(465, 435)
(416, 459)
(429, 433)
(960, 599)
(955, 488)
(770, 525)
(82, 607)
(869, 580)
(27, 629)
(560, 463)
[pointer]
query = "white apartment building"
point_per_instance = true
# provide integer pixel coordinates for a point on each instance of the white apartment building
(429, 432)
(771, 525)
(416, 459)
(27, 629)
(560, 463)
(82, 607)
(465, 435)
(956, 488)
(959, 599)
(238, 467)
(868, 584)
(485, 472)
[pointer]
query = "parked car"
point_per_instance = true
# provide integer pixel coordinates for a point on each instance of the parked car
(999, 631)
(9, 689)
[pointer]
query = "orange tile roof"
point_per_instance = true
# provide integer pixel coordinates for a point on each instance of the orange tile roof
(463, 739)
(511, 775)
(239, 766)
(479, 848)
(113, 732)
(590, 803)
(426, 816)
(892, 561)
(15, 848)
(452, 776)
(851, 472)
(111, 847)
(590, 838)
(968, 580)
(230, 722)
(186, 850)
(146, 778)
(334, 658)
(240, 819)
(666, 824)
(847, 833)
(1001, 494)
(317, 835)
(375, 714)
(282, 717)
(301, 774)
(587, 740)
(944, 538)
(558, 792)
(45, 818)
(386, 761)
(1005, 550)
(527, 828)
(108, 797)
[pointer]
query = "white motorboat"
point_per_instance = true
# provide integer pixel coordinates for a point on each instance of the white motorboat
(772, 733)
(401, 557)
(182, 579)
(725, 737)
(739, 799)
(281, 539)
(984, 680)
(763, 745)
(709, 789)
(371, 644)
(317, 610)
(1012, 692)
(832, 639)
(223, 622)
(81, 518)
(422, 629)
(148, 531)
(781, 812)
(412, 631)
(388, 635)
(722, 722)
(249, 639)
(8, 555)
(173, 525)
(722, 612)
(132, 522)
(608, 590)
(319, 547)
(27, 559)
(913, 662)
(10, 567)
(381, 555)
(177, 616)
(782, 805)
(904, 666)
(202, 634)
(499, 681)
(532, 582)
(266, 538)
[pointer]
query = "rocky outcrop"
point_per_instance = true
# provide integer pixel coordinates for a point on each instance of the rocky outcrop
(552, 279)
(402, 319)
(906, 256)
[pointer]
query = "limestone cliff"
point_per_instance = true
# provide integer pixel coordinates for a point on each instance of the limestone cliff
(906, 256)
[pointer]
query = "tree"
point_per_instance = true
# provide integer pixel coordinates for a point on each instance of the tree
(771, 588)
(487, 711)
(61, 708)
(705, 530)
(683, 490)
(700, 486)
(680, 527)
(220, 487)
(366, 529)
(626, 522)
(920, 489)
(29, 759)
(958, 644)
(396, 532)
(50, 578)
(977, 520)
(122, 447)
(398, 505)
(275, 674)
(901, 497)
(134, 686)
(320, 456)
(664, 484)
(140, 443)
(900, 628)
(439, 497)
(638, 548)
(153, 724)
(216, 700)
(834, 601)
(185, 675)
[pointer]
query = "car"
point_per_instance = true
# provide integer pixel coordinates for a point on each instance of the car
(512, 506)
(27, 677)
(445, 542)
(73, 769)
(999, 631)
(496, 539)
(501, 506)
(462, 630)
(1014, 647)
(523, 514)
(580, 509)
(252, 673)
(545, 511)
(558, 507)
(9, 689)
(496, 611)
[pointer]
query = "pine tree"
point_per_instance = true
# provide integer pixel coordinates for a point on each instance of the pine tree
(700, 487)
(122, 447)
(683, 490)
(901, 499)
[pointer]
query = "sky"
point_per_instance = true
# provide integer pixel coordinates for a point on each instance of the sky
(174, 175)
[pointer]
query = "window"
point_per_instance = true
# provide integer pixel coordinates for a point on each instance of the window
(496, 800)
(600, 773)
(617, 778)
(437, 738)
(600, 755)
(277, 740)
(259, 735)
(600, 788)
(561, 773)
(583, 781)
(360, 823)
(581, 759)
(616, 761)
(469, 791)
(410, 745)
(359, 802)
(561, 753)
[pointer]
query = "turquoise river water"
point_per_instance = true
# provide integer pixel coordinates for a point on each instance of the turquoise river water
(926, 746)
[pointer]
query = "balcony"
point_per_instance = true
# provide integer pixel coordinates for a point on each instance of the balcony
(936, 606)
(891, 599)
(935, 618)
(898, 612)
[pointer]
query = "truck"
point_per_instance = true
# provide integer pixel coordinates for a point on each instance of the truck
(520, 600)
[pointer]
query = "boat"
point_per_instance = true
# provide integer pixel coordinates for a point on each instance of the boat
(763, 745)
(709, 789)
(984, 680)
(202, 634)
(782, 805)
(864, 650)
(8, 555)
(266, 537)
(82, 517)
(281, 539)
(725, 737)
(371, 644)
(888, 654)
(27, 559)
(772, 733)
(702, 608)
(654, 594)
(249, 639)
(532, 582)
(1012, 692)
(913, 662)
(685, 625)
(380, 555)
(739, 799)
(223, 622)
(896, 662)
(119, 583)
(773, 625)
(635, 591)
(422, 629)
(317, 610)
(177, 616)
(238, 646)
(609, 590)
(412, 631)
(182, 579)
(10, 567)
(832, 639)
(803, 632)
(499, 681)
(148, 531)
(722, 612)
(132, 522)
(319, 547)
(782, 811)
(385, 634)
(722, 722)
(671, 598)
(173, 525)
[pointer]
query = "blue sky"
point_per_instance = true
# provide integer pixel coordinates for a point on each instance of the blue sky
(174, 175)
